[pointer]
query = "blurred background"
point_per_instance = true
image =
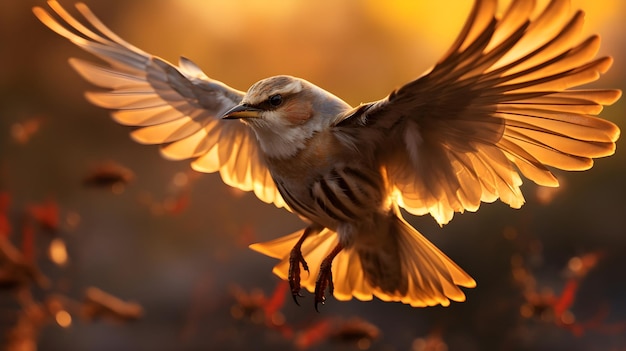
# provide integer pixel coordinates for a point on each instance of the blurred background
(106, 245)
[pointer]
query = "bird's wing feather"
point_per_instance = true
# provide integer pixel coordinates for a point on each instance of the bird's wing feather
(178, 107)
(496, 105)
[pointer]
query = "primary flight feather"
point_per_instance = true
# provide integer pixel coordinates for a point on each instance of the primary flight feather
(498, 104)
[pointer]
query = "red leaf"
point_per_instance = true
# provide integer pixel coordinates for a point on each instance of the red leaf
(277, 300)
(46, 215)
(566, 299)
(5, 225)
(315, 334)
(28, 241)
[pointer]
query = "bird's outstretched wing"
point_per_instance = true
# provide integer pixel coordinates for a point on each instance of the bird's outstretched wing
(177, 107)
(496, 104)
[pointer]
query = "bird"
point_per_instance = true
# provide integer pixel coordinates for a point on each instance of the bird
(502, 103)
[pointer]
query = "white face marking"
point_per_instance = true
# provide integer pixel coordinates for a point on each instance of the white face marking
(278, 135)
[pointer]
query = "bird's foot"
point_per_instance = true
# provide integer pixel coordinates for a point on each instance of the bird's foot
(325, 277)
(295, 259)
(324, 280)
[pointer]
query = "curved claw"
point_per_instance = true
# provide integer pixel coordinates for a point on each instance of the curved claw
(324, 280)
(316, 304)
(319, 292)
(295, 296)
(295, 259)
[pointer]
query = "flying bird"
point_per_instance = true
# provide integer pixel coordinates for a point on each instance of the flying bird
(498, 105)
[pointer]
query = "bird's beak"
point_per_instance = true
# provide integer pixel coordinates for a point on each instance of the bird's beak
(242, 111)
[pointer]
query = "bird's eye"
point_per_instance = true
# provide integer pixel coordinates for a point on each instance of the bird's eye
(275, 100)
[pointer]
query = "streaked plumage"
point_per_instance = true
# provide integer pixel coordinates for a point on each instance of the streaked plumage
(496, 105)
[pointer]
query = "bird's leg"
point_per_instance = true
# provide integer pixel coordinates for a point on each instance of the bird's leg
(325, 278)
(296, 258)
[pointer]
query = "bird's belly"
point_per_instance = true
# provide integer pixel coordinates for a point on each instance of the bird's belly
(340, 194)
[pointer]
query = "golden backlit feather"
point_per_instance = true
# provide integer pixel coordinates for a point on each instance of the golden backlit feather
(177, 107)
(429, 285)
(497, 104)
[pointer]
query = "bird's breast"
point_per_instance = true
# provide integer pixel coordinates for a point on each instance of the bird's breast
(329, 183)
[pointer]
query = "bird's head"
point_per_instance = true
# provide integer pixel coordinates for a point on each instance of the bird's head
(285, 112)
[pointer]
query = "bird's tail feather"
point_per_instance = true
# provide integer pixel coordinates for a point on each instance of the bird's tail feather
(431, 278)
